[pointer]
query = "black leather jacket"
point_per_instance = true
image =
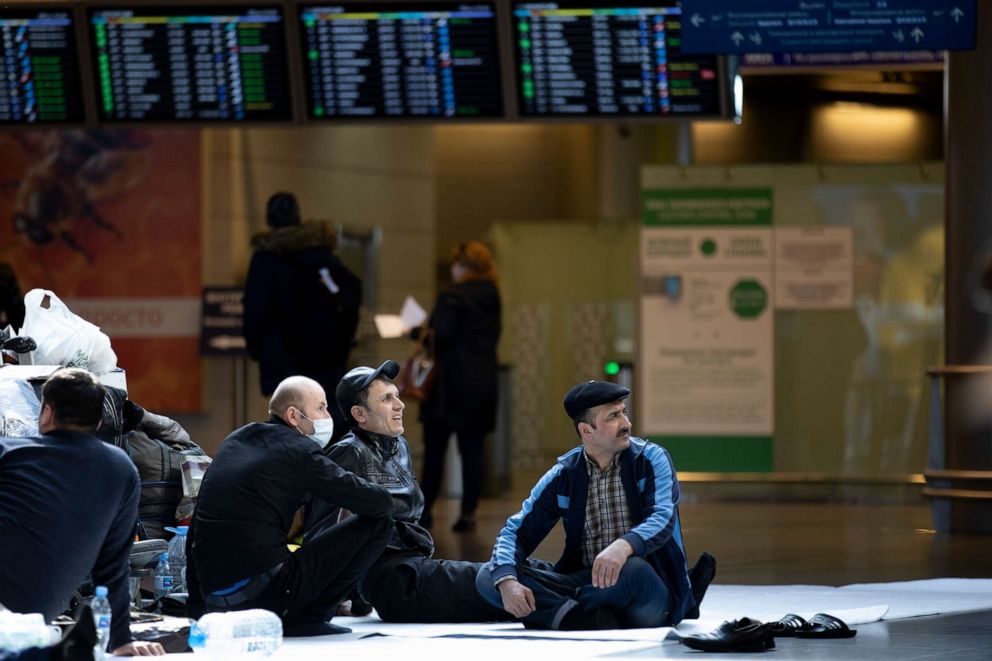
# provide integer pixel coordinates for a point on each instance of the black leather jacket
(383, 461)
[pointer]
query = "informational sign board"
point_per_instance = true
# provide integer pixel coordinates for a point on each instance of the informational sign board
(783, 26)
(220, 326)
(39, 66)
(191, 64)
(610, 58)
(401, 60)
(707, 326)
(814, 268)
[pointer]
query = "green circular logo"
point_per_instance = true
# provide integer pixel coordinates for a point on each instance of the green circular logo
(707, 247)
(748, 299)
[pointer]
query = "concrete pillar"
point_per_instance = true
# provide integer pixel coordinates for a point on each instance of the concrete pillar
(961, 489)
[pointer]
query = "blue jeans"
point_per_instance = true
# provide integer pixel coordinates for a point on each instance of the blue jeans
(639, 599)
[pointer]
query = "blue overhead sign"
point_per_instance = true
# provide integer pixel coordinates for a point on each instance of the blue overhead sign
(821, 26)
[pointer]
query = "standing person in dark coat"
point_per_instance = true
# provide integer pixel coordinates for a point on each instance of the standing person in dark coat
(301, 302)
(466, 327)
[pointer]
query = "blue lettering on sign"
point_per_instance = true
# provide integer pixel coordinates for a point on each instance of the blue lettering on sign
(826, 26)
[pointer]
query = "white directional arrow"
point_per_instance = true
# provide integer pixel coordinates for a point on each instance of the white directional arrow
(737, 38)
(756, 38)
(225, 342)
(697, 20)
(899, 35)
(957, 14)
(916, 34)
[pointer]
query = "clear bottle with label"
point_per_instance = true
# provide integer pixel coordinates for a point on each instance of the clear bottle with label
(163, 576)
(102, 614)
(177, 558)
(254, 632)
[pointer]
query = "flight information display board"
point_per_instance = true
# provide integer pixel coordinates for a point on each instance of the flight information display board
(611, 59)
(191, 63)
(40, 69)
(378, 60)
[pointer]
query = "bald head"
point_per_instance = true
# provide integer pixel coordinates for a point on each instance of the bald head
(296, 391)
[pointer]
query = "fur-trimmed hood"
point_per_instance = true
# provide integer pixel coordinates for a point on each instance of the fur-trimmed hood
(311, 234)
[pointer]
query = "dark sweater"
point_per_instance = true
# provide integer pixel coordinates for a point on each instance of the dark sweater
(68, 508)
(259, 478)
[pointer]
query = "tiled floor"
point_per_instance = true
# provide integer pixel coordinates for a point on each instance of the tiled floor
(828, 544)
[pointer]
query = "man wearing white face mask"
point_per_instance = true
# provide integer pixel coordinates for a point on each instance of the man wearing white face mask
(238, 558)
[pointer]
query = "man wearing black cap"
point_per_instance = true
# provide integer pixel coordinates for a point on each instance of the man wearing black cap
(238, 557)
(623, 565)
(301, 303)
(406, 584)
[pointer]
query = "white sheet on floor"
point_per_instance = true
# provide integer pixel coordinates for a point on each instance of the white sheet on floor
(855, 604)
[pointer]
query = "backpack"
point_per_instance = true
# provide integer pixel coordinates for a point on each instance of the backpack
(159, 464)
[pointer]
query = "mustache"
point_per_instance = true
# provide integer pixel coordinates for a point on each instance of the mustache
(624, 431)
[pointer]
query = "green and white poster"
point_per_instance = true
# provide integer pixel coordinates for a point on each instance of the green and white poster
(706, 364)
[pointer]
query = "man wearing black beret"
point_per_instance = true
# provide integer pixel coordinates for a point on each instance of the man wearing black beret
(624, 564)
(405, 584)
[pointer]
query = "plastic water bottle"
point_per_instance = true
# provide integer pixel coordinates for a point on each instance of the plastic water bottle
(101, 618)
(177, 558)
(255, 632)
(163, 576)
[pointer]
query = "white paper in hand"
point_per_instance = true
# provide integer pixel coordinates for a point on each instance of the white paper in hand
(412, 313)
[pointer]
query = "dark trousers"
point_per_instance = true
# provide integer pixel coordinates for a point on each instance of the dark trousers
(639, 599)
(29, 654)
(470, 447)
(412, 588)
(323, 572)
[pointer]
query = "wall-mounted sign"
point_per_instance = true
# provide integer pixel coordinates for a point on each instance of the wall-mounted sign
(793, 26)
(220, 325)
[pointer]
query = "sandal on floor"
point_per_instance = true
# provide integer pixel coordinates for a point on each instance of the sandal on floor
(822, 625)
(788, 626)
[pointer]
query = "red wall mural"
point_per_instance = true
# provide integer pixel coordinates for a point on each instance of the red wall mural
(110, 221)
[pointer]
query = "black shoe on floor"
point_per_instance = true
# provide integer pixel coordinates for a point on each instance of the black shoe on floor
(700, 576)
(465, 523)
(310, 628)
(743, 635)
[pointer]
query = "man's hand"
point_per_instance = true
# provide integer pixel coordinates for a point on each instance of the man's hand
(140, 648)
(518, 600)
(607, 565)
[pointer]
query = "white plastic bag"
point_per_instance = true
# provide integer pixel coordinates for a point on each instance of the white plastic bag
(64, 338)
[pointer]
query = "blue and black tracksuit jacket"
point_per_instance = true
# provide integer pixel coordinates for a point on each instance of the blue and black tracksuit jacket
(652, 490)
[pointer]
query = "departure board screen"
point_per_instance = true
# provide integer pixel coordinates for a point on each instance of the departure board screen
(40, 82)
(610, 59)
(191, 63)
(377, 60)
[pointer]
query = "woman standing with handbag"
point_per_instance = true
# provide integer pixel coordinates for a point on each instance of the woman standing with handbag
(462, 399)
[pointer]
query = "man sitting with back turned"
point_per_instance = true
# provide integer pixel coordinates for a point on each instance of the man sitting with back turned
(406, 584)
(68, 509)
(623, 565)
(238, 558)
